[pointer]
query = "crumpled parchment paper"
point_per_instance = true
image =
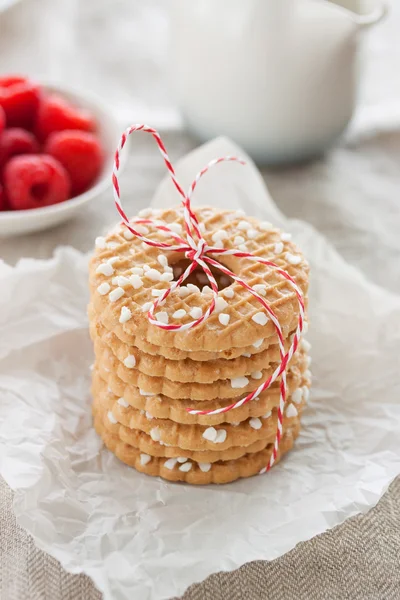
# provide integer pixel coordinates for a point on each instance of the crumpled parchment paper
(140, 537)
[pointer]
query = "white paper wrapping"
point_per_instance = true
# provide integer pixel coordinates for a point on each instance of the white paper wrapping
(140, 537)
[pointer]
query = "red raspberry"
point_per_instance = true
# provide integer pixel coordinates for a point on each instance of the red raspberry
(33, 181)
(80, 153)
(19, 99)
(15, 141)
(2, 120)
(56, 114)
(3, 200)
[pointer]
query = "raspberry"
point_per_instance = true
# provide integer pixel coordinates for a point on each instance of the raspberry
(2, 120)
(33, 181)
(80, 153)
(3, 199)
(56, 114)
(15, 141)
(19, 99)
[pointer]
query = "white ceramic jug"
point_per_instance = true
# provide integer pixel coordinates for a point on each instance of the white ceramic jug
(277, 76)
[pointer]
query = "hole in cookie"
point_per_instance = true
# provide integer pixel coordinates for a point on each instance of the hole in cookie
(198, 277)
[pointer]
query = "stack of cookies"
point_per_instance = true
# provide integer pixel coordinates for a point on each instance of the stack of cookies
(145, 378)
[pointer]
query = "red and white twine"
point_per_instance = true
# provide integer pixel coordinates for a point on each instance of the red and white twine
(195, 248)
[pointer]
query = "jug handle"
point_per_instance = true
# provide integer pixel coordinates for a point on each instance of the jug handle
(373, 17)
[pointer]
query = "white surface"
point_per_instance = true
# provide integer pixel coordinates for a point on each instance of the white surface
(19, 222)
(280, 78)
(145, 538)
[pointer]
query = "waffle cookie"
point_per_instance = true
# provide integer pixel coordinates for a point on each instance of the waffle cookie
(147, 379)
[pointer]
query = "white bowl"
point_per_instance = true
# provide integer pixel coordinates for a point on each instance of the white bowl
(17, 222)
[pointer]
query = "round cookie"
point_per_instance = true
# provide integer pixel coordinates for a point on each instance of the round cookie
(198, 473)
(121, 258)
(163, 407)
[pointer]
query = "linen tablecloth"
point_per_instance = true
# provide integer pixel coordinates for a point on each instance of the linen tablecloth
(119, 50)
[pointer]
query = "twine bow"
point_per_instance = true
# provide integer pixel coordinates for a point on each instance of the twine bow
(195, 248)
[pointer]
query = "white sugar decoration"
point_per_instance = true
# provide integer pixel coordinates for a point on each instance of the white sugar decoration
(128, 235)
(112, 245)
(114, 280)
(240, 213)
(125, 314)
(100, 242)
(193, 288)
(260, 289)
(144, 459)
(123, 402)
(291, 411)
(224, 319)
(205, 467)
(183, 291)
(306, 393)
(239, 382)
(255, 423)
(235, 423)
(260, 318)
(146, 268)
(256, 375)
(162, 317)
(210, 434)
(202, 227)
(305, 345)
(239, 240)
(162, 259)
(278, 248)
(144, 393)
(137, 271)
(144, 245)
(220, 304)
(293, 259)
(228, 292)
(145, 212)
(167, 276)
(258, 343)
(111, 418)
(267, 415)
(181, 459)
(141, 229)
(157, 293)
(246, 355)
(196, 312)
(105, 269)
(146, 306)
(297, 396)
(122, 281)
(243, 225)
(219, 235)
(305, 327)
(112, 260)
(116, 294)
(175, 227)
(130, 361)
(242, 247)
(103, 288)
(149, 416)
(206, 290)
(153, 274)
(136, 281)
(308, 374)
(185, 467)
(179, 314)
(266, 225)
(286, 237)
(155, 434)
(252, 233)
(308, 360)
(221, 436)
(170, 463)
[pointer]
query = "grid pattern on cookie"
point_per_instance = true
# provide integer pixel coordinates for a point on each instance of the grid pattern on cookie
(241, 308)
